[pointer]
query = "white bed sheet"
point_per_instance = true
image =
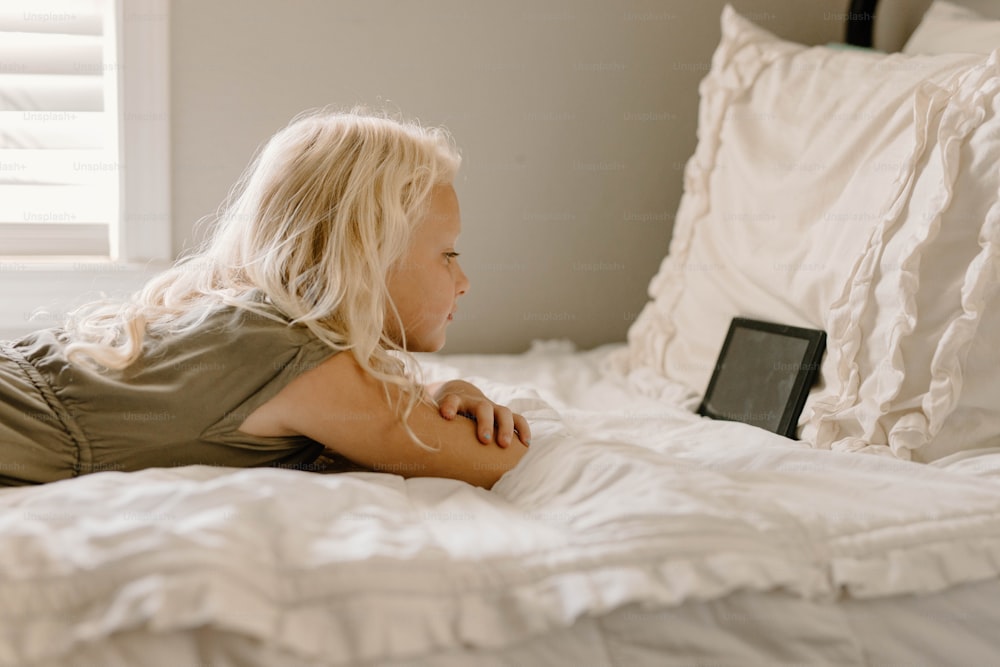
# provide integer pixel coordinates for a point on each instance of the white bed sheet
(632, 532)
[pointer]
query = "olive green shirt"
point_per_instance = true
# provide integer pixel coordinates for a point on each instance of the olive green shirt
(180, 403)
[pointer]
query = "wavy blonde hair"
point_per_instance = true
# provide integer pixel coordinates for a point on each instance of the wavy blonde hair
(315, 223)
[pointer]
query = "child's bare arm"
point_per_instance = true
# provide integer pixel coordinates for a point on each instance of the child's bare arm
(339, 405)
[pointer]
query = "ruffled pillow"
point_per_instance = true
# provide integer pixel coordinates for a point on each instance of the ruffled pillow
(918, 324)
(806, 165)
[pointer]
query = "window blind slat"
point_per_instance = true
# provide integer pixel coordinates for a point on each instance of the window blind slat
(56, 167)
(52, 129)
(51, 93)
(45, 204)
(26, 53)
(54, 239)
(72, 17)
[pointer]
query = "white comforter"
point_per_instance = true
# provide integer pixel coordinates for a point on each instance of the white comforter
(621, 500)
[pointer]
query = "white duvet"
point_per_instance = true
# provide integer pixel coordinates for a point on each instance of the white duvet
(622, 502)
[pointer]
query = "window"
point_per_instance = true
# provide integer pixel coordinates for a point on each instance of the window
(83, 138)
(84, 153)
(58, 143)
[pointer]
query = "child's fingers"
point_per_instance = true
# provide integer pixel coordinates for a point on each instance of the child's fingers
(449, 406)
(484, 422)
(505, 425)
(523, 430)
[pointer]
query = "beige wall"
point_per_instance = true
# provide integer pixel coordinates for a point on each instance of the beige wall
(575, 118)
(895, 20)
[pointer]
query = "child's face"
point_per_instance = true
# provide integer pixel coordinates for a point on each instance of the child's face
(426, 282)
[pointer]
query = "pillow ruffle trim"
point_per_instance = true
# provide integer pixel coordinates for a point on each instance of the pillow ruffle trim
(945, 117)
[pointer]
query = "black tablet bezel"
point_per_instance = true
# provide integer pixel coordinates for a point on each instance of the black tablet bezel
(804, 380)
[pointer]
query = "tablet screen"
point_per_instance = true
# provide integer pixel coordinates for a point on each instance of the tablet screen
(763, 375)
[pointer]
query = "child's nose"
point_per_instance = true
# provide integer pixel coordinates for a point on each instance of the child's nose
(462, 282)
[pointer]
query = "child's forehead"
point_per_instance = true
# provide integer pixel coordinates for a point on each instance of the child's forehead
(442, 216)
(438, 230)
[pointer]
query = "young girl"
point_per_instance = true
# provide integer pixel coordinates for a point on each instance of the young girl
(282, 339)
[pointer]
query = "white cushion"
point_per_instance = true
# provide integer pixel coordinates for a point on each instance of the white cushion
(918, 325)
(802, 153)
(950, 28)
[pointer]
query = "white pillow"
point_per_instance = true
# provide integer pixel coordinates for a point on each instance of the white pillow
(801, 153)
(950, 28)
(918, 325)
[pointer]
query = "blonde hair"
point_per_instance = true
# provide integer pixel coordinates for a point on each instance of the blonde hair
(315, 223)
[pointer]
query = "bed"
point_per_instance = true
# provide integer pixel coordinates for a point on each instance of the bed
(841, 189)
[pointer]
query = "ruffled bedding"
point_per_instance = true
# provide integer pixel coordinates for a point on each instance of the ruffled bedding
(622, 503)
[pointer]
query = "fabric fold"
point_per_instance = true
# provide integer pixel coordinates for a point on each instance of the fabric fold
(938, 241)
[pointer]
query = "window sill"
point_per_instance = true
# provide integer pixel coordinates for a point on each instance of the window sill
(38, 292)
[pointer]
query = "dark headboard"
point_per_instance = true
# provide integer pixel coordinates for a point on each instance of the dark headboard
(860, 22)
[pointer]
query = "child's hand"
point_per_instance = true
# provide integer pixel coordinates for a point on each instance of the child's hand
(461, 398)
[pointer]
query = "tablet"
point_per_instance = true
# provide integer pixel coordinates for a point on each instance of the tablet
(764, 374)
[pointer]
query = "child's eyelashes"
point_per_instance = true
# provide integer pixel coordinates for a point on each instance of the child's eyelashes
(451, 255)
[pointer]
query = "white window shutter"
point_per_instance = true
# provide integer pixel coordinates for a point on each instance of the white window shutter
(59, 166)
(108, 249)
